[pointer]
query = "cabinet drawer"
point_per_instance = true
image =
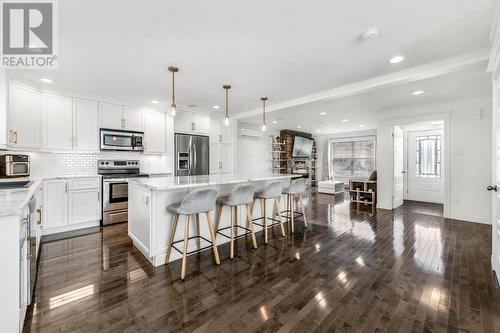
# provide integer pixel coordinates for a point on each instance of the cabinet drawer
(84, 183)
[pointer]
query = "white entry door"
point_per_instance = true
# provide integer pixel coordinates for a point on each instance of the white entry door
(424, 170)
(495, 187)
(398, 140)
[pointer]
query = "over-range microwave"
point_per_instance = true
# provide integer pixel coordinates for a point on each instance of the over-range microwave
(112, 139)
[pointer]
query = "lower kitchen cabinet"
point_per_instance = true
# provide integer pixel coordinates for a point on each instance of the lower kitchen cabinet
(71, 204)
(84, 206)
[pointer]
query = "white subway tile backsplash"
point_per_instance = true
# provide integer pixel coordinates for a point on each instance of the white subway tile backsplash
(52, 164)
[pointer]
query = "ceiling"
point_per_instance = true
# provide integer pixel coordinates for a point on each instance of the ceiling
(283, 49)
(361, 110)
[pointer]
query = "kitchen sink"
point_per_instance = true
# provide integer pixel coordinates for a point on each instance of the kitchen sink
(15, 184)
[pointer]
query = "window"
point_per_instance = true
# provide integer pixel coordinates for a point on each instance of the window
(352, 158)
(428, 161)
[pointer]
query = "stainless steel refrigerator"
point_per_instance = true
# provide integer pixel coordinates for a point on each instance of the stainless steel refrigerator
(191, 155)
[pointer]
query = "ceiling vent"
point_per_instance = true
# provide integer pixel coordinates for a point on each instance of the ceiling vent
(370, 34)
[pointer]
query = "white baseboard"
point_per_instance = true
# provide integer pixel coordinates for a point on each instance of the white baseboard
(482, 220)
(71, 227)
(495, 266)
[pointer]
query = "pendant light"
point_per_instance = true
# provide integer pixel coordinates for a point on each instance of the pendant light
(264, 126)
(173, 70)
(226, 117)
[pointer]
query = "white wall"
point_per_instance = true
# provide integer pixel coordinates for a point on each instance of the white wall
(253, 154)
(469, 155)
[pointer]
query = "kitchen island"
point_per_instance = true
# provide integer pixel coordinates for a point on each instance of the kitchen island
(149, 222)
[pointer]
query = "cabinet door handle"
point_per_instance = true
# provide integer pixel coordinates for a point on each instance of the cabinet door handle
(98, 196)
(124, 122)
(193, 126)
(220, 165)
(15, 136)
(39, 220)
(220, 137)
(66, 187)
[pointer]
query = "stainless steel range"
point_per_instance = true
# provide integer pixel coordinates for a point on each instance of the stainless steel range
(115, 175)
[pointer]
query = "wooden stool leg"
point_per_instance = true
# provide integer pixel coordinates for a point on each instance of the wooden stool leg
(277, 212)
(175, 218)
(218, 213)
(292, 210)
(212, 236)
(197, 225)
(250, 225)
(232, 232)
(303, 210)
(265, 219)
(184, 252)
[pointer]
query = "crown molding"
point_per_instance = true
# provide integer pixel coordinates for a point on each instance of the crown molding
(430, 70)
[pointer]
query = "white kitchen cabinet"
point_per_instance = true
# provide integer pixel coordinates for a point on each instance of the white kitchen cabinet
(133, 119)
(55, 203)
(111, 116)
(169, 135)
(192, 123)
(220, 158)
(71, 204)
(84, 206)
(219, 132)
(214, 158)
(154, 132)
(57, 122)
(85, 125)
(225, 158)
(24, 117)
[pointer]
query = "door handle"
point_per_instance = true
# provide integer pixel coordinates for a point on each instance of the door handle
(403, 171)
(492, 188)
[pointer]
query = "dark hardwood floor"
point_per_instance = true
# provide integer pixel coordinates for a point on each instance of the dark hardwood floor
(402, 270)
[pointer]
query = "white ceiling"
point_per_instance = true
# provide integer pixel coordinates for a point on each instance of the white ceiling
(362, 109)
(282, 49)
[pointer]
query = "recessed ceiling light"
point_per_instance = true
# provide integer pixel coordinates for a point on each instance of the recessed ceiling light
(47, 80)
(275, 122)
(216, 107)
(418, 92)
(396, 59)
(154, 101)
(322, 113)
(361, 125)
(318, 130)
(345, 120)
(299, 126)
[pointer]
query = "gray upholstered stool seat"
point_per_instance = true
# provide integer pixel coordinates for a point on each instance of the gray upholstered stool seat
(239, 196)
(272, 190)
(194, 203)
(296, 186)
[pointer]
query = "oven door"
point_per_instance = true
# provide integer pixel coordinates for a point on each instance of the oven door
(18, 169)
(115, 201)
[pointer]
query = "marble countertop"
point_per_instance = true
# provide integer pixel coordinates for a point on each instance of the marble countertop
(13, 201)
(174, 183)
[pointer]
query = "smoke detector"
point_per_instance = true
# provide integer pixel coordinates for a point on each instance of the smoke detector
(370, 34)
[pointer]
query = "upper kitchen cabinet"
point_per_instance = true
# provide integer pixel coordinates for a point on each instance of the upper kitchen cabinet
(24, 115)
(154, 132)
(85, 125)
(111, 116)
(191, 123)
(133, 119)
(116, 116)
(57, 122)
(219, 132)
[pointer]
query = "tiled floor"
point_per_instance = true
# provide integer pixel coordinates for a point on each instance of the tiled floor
(351, 270)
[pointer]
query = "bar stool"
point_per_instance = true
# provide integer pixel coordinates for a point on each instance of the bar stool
(270, 191)
(297, 186)
(194, 203)
(239, 196)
